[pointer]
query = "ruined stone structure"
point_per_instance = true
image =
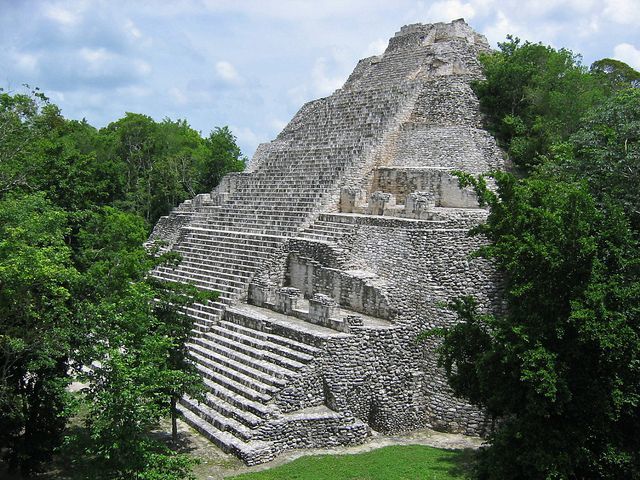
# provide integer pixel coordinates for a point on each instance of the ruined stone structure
(334, 249)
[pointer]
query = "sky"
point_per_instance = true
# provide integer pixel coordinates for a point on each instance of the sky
(251, 64)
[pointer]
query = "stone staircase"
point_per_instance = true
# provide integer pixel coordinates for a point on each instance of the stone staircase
(245, 361)
(325, 230)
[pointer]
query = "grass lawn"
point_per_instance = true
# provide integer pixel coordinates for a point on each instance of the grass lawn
(411, 462)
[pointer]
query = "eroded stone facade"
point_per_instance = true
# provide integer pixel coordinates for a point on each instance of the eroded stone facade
(334, 250)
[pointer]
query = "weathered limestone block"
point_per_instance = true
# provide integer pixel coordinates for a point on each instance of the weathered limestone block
(286, 300)
(321, 309)
(231, 183)
(419, 205)
(201, 199)
(259, 295)
(218, 198)
(379, 202)
(350, 199)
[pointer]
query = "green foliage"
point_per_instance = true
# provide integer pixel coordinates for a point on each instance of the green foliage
(561, 368)
(36, 328)
(605, 152)
(135, 372)
(618, 75)
(534, 96)
(75, 208)
(223, 157)
(409, 462)
(164, 163)
(135, 164)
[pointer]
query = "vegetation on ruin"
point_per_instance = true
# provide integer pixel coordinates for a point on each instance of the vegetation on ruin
(76, 205)
(560, 370)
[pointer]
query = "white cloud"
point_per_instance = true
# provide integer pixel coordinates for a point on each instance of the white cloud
(323, 82)
(447, 10)
(247, 136)
(178, 96)
(627, 53)
(142, 68)
(133, 30)
(95, 58)
(498, 31)
(62, 15)
(227, 72)
(277, 125)
(27, 63)
(134, 91)
(298, 95)
(626, 12)
(377, 47)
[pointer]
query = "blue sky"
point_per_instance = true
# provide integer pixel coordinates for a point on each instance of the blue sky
(251, 64)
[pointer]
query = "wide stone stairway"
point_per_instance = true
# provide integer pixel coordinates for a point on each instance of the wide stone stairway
(307, 341)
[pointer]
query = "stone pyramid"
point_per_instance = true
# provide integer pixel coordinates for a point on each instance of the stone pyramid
(333, 251)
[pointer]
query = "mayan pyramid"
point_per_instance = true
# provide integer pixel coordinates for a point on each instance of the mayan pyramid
(333, 250)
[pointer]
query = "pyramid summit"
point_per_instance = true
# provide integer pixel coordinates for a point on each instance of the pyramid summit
(333, 250)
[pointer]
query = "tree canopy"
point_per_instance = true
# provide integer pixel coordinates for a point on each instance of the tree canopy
(76, 301)
(560, 370)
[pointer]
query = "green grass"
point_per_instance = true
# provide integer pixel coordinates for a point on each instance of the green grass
(412, 462)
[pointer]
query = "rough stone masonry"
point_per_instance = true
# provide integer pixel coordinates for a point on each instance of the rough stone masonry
(333, 250)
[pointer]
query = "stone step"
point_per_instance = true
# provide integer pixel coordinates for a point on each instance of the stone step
(240, 265)
(222, 286)
(269, 202)
(223, 250)
(239, 414)
(252, 453)
(205, 274)
(258, 318)
(315, 237)
(240, 238)
(223, 269)
(246, 390)
(249, 374)
(243, 356)
(248, 224)
(254, 228)
(289, 343)
(211, 308)
(242, 403)
(218, 420)
(216, 248)
(260, 354)
(333, 226)
(257, 212)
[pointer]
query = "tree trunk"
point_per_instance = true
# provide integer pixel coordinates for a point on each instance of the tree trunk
(174, 419)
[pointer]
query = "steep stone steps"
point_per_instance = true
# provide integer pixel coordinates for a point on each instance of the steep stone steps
(299, 350)
(200, 271)
(236, 371)
(242, 402)
(213, 340)
(246, 356)
(208, 283)
(238, 413)
(217, 419)
(252, 454)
